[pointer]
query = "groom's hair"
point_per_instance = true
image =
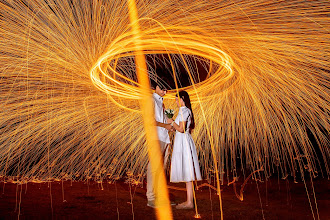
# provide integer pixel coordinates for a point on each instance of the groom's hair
(153, 84)
(159, 80)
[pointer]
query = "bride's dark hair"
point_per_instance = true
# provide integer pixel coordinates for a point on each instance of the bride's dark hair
(185, 96)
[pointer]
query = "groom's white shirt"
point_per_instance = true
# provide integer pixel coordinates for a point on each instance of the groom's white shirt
(160, 117)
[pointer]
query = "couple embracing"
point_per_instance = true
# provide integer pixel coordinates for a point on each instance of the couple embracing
(184, 161)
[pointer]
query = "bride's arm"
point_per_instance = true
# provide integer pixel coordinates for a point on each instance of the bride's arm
(179, 127)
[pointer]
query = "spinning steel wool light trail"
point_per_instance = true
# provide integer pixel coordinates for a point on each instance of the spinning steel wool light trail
(69, 92)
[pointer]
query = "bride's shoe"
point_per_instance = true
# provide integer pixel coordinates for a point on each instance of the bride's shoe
(184, 206)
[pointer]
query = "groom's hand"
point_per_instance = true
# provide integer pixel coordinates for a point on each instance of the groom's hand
(169, 120)
(168, 127)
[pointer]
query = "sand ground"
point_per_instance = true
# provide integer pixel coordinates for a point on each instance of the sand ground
(274, 199)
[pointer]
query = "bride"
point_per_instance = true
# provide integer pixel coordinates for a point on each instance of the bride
(184, 163)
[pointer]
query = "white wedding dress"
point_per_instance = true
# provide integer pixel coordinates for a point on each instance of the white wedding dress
(184, 163)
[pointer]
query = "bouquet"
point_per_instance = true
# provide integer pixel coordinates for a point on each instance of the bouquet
(169, 113)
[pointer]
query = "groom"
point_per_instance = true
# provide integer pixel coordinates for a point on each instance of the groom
(162, 137)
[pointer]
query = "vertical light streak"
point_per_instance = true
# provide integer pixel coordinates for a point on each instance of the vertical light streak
(210, 138)
(163, 208)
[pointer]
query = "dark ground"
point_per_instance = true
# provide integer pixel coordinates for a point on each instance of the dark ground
(278, 199)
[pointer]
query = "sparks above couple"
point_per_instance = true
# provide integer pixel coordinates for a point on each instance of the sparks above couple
(184, 162)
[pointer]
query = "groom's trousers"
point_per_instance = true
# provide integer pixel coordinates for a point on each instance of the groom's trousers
(150, 184)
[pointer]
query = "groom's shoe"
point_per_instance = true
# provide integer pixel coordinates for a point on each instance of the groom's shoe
(151, 203)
